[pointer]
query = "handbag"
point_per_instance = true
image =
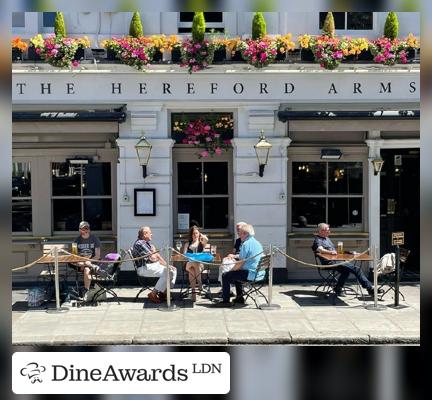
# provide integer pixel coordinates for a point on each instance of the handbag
(202, 257)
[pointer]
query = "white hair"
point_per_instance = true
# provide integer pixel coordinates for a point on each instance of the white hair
(322, 226)
(241, 223)
(248, 228)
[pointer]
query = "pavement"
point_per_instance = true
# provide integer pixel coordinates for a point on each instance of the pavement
(303, 318)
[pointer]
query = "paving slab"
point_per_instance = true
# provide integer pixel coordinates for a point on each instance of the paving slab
(307, 320)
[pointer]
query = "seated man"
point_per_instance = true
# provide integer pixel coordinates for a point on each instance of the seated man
(229, 261)
(244, 269)
(154, 265)
(323, 245)
(88, 245)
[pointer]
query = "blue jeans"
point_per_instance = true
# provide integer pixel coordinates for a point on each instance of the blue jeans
(345, 270)
(233, 277)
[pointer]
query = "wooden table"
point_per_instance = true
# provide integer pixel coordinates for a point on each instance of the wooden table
(49, 259)
(346, 257)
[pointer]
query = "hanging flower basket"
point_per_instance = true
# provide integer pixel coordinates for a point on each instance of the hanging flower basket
(258, 53)
(196, 55)
(18, 47)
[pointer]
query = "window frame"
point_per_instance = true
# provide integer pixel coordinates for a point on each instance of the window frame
(15, 27)
(355, 31)
(209, 25)
(305, 156)
(23, 160)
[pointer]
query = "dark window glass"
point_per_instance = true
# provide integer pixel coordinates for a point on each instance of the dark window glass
(18, 19)
(66, 214)
(97, 179)
(21, 216)
(308, 212)
(208, 30)
(344, 212)
(216, 213)
(193, 207)
(189, 178)
(98, 213)
(339, 19)
(309, 177)
(359, 20)
(48, 19)
(66, 179)
(345, 178)
(216, 178)
(21, 180)
(208, 16)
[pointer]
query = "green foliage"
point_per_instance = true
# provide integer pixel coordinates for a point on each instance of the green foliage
(198, 27)
(391, 27)
(59, 25)
(135, 28)
(329, 25)
(259, 27)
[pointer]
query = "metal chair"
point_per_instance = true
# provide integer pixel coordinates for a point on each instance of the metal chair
(146, 282)
(388, 279)
(329, 277)
(106, 279)
(252, 288)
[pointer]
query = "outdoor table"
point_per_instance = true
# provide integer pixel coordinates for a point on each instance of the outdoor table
(217, 258)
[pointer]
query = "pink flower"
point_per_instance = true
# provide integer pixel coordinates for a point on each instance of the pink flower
(75, 63)
(204, 153)
(218, 150)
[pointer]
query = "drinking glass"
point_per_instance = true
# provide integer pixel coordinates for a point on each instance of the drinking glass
(178, 245)
(213, 249)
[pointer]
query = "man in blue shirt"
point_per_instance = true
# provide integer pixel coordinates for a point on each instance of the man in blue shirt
(323, 245)
(244, 269)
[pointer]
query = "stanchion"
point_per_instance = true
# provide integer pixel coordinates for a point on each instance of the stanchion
(169, 306)
(396, 304)
(270, 305)
(375, 306)
(58, 309)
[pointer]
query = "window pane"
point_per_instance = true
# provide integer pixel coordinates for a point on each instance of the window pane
(186, 16)
(98, 213)
(216, 213)
(189, 178)
(345, 178)
(359, 20)
(344, 212)
(66, 214)
(193, 207)
(48, 19)
(97, 179)
(216, 178)
(308, 212)
(309, 177)
(66, 179)
(18, 19)
(208, 16)
(21, 216)
(21, 179)
(339, 19)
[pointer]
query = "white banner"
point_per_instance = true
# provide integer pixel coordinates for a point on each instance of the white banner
(121, 373)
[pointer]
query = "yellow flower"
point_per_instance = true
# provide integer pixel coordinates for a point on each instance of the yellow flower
(412, 41)
(37, 41)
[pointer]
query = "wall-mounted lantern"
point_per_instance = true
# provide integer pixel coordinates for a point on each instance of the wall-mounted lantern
(143, 149)
(262, 150)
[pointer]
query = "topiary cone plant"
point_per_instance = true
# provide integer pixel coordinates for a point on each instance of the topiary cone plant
(198, 27)
(59, 25)
(136, 28)
(329, 25)
(391, 27)
(259, 27)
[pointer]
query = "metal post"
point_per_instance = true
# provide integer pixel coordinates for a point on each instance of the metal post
(58, 309)
(397, 280)
(375, 306)
(270, 306)
(169, 306)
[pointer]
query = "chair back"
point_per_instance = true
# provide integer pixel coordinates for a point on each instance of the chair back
(403, 254)
(262, 267)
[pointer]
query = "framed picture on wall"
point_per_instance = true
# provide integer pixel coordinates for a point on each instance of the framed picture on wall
(145, 202)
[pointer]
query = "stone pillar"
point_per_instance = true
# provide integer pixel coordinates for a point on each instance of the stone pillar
(374, 144)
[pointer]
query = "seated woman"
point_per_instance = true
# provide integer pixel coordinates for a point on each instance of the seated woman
(196, 244)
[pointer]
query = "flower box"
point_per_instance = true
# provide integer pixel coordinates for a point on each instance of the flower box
(410, 53)
(111, 54)
(365, 55)
(32, 55)
(79, 54)
(157, 57)
(307, 55)
(16, 55)
(176, 55)
(236, 56)
(281, 56)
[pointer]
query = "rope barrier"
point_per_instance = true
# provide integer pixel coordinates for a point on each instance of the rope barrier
(355, 257)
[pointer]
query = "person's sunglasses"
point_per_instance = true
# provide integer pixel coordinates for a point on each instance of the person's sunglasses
(84, 229)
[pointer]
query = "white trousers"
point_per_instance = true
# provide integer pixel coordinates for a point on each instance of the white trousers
(158, 270)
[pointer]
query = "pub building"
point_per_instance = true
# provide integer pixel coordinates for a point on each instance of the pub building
(104, 144)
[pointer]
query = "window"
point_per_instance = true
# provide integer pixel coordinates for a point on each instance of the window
(21, 197)
(349, 20)
(81, 192)
(18, 20)
(202, 193)
(48, 19)
(327, 192)
(214, 22)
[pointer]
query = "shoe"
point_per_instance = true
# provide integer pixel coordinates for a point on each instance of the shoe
(85, 295)
(193, 297)
(223, 304)
(162, 296)
(339, 293)
(153, 297)
(238, 300)
(371, 291)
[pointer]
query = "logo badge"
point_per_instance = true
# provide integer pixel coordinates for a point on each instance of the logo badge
(33, 371)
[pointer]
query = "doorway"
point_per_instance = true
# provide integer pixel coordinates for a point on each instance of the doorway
(400, 202)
